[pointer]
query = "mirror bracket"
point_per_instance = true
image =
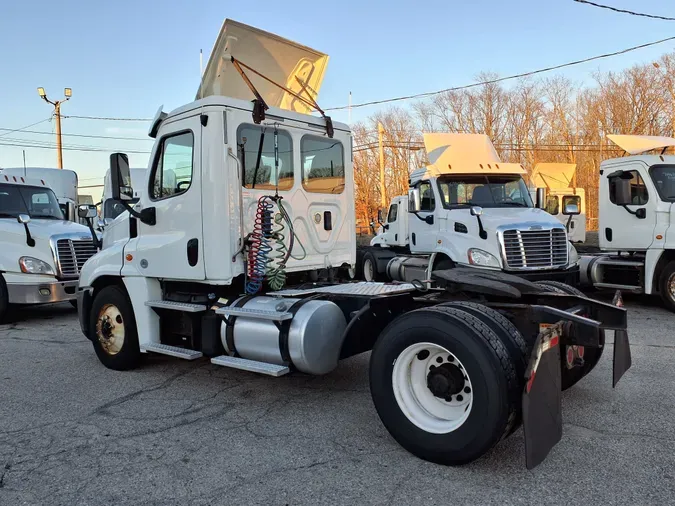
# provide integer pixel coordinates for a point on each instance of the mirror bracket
(24, 219)
(640, 213)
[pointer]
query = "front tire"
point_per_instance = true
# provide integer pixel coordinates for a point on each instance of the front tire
(667, 286)
(112, 327)
(444, 385)
(369, 267)
(4, 299)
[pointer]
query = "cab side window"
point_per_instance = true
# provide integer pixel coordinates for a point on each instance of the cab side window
(427, 199)
(173, 166)
(638, 190)
(393, 213)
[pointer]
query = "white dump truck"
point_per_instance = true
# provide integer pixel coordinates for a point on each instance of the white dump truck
(238, 254)
(41, 253)
(63, 182)
(467, 208)
(636, 220)
(560, 190)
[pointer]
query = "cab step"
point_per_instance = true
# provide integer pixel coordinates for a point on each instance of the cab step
(251, 365)
(173, 351)
(627, 288)
(259, 314)
(186, 307)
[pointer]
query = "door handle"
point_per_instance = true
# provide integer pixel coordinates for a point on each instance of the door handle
(193, 252)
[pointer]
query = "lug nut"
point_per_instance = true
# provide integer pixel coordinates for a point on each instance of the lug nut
(460, 398)
(439, 360)
(423, 355)
(467, 390)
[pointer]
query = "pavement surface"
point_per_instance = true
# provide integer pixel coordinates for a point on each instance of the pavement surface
(171, 432)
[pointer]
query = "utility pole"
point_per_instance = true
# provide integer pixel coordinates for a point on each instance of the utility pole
(383, 196)
(57, 112)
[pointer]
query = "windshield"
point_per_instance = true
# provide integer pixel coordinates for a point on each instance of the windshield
(664, 180)
(505, 190)
(32, 200)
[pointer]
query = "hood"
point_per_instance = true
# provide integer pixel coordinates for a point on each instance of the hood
(44, 229)
(496, 217)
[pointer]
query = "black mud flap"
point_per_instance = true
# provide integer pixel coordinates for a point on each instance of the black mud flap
(542, 398)
(622, 358)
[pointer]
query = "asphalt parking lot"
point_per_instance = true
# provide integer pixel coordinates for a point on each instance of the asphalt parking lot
(172, 432)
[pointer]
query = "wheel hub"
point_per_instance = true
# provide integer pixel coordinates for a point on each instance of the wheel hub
(110, 329)
(445, 381)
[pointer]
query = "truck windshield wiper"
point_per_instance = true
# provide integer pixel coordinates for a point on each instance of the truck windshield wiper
(7, 215)
(517, 204)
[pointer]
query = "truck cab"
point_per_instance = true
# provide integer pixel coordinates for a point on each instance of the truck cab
(42, 253)
(636, 218)
(467, 208)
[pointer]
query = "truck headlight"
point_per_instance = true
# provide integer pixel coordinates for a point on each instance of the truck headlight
(31, 265)
(572, 253)
(482, 258)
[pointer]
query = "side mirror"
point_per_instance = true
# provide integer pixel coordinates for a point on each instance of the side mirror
(541, 198)
(120, 177)
(476, 211)
(87, 211)
(622, 191)
(380, 217)
(414, 201)
(23, 218)
(571, 205)
(641, 213)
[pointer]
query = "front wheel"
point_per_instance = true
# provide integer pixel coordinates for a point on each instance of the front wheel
(369, 267)
(113, 329)
(443, 385)
(667, 286)
(4, 299)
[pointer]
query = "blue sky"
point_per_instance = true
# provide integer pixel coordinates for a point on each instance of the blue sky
(126, 58)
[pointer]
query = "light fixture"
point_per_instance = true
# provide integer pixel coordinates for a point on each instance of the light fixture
(41, 92)
(68, 92)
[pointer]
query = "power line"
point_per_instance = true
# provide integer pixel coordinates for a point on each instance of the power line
(500, 79)
(103, 118)
(90, 149)
(624, 11)
(23, 128)
(78, 135)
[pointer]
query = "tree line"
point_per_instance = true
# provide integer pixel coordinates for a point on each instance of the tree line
(534, 120)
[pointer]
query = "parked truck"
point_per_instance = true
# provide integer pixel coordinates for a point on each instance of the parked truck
(467, 208)
(239, 249)
(560, 190)
(41, 253)
(63, 182)
(636, 221)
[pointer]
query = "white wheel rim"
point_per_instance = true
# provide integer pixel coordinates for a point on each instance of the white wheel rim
(351, 272)
(671, 286)
(368, 270)
(110, 329)
(416, 400)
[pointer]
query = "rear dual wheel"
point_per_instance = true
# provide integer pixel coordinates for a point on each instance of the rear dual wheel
(571, 374)
(445, 384)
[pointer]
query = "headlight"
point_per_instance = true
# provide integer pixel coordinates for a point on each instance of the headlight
(573, 255)
(31, 265)
(482, 258)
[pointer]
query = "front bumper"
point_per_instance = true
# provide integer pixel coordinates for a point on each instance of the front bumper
(568, 276)
(42, 292)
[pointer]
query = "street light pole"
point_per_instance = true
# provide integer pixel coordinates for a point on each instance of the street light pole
(57, 112)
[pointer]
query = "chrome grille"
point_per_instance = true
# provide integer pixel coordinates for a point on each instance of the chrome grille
(535, 249)
(71, 254)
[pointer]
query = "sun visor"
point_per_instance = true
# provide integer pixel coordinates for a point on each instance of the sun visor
(555, 176)
(280, 60)
(448, 149)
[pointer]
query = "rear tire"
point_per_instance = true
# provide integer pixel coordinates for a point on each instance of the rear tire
(369, 267)
(667, 285)
(591, 356)
(421, 419)
(112, 327)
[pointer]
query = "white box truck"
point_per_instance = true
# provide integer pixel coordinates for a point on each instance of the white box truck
(250, 200)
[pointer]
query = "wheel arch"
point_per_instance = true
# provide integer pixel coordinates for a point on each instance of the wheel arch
(664, 259)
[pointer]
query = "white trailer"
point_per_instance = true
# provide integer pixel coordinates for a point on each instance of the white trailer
(41, 253)
(238, 253)
(636, 221)
(557, 179)
(63, 183)
(468, 209)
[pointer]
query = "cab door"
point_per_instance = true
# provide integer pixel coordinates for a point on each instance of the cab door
(423, 226)
(172, 248)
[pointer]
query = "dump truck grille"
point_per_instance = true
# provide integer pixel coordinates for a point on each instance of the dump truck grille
(71, 254)
(535, 249)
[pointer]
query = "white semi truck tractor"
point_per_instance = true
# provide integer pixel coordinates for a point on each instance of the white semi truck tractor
(636, 221)
(237, 253)
(41, 252)
(467, 208)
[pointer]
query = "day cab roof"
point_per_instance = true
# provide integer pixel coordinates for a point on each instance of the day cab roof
(462, 154)
(555, 176)
(293, 66)
(13, 179)
(639, 148)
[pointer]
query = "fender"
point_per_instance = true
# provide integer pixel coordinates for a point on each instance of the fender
(107, 262)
